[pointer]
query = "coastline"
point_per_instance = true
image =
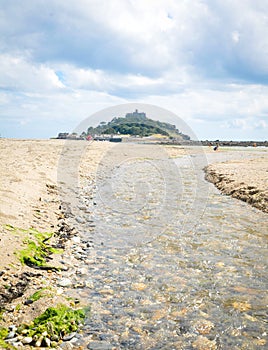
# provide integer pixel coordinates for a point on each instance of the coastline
(31, 200)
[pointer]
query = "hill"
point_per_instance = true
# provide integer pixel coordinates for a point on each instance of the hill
(136, 124)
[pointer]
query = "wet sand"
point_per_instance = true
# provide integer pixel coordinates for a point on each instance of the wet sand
(30, 198)
(246, 180)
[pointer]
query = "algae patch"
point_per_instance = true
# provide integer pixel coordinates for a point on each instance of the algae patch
(60, 321)
(40, 294)
(53, 325)
(36, 252)
(48, 329)
(3, 335)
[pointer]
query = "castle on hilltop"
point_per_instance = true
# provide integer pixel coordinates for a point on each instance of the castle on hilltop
(136, 113)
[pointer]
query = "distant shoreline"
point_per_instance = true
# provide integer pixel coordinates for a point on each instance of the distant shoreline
(173, 141)
(208, 143)
(219, 143)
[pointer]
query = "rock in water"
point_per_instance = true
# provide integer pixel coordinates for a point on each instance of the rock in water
(99, 345)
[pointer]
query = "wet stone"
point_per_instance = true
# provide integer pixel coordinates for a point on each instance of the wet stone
(82, 207)
(78, 342)
(203, 343)
(99, 345)
(27, 340)
(76, 239)
(69, 336)
(105, 337)
(203, 326)
(54, 337)
(80, 220)
(11, 335)
(47, 342)
(66, 346)
(17, 345)
(130, 343)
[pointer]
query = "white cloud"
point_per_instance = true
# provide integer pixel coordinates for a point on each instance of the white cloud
(261, 124)
(18, 74)
(238, 123)
(88, 79)
(235, 36)
(205, 60)
(149, 37)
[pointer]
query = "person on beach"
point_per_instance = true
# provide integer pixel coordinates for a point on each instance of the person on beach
(216, 147)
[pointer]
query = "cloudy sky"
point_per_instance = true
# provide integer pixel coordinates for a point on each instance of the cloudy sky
(204, 60)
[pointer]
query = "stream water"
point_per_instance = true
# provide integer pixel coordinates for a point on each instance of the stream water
(174, 263)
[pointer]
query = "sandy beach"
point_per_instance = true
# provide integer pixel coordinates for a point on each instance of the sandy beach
(30, 199)
(246, 180)
(30, 202)
(29, 192)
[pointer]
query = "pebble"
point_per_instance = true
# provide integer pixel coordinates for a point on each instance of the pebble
(54, 337)
(17, 345)
(47, 342)
(66, 346)
(203, 343)
(99, 345)
(27, 340)
(39, 341)
(78, 342)
(69, 336)
(82, 207)
(80, 220)
(76, 239)
(89, 284)
(12, 340)
(60, 291)
(203, 326)
(11, 335)
(105, 336)
(82, 271)
(65, 282)
(79, 256)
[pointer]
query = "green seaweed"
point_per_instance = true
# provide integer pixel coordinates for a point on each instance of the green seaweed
(63, 319)
(18, 307)
(37, 251)
(3, 335)
(56, 322)
(10, 227)
(39, 294)
(33, 254)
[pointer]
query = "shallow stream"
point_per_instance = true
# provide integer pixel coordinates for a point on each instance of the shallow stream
(174, 264)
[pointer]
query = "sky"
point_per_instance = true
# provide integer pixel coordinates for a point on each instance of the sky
(206, 61)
